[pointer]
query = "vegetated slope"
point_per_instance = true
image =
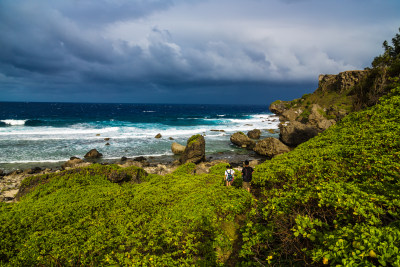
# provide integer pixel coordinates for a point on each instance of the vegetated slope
(79, 217)
(335, 199)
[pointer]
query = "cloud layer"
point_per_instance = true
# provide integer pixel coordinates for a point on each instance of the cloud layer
(167, 51)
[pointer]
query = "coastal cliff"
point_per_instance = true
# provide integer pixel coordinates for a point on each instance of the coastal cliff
(336, 96)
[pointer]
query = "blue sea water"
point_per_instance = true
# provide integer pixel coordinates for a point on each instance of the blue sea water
(53, 132)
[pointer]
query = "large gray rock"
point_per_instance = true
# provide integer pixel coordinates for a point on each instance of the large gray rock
(270, 147)
(254, 134)
(242, 140)
(294, 133)
(93, 154)
(195, 150)
(177, 149)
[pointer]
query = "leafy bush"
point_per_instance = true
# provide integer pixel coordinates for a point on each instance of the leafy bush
(334, 199)
(81, 218)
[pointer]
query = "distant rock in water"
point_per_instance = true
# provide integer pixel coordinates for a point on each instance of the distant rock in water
(93, 154)
(242, 140)
(195, 150)
(254, 134)
(177, 148)
(158, 136)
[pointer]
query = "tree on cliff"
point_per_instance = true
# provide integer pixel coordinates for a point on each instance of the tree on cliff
(391, 56)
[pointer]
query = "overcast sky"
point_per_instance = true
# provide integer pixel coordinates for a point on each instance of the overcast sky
(177, 51)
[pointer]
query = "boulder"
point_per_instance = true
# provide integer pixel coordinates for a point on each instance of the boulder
(140, 159)
(295, 133)
(93, 154)
(195, 150)
(74, 163)
(158, 136)
(254, 134)
(177, 149)
(242, 140)
(270, 147)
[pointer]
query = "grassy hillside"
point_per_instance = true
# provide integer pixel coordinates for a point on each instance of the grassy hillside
(336, 198)
(81, 218)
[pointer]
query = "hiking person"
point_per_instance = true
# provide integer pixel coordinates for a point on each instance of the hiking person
(247, 175)
(229, 175)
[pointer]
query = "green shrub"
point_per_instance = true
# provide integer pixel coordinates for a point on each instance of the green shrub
(334, 199)
(81, 218)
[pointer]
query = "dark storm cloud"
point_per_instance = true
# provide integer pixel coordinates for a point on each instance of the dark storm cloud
(158, 49)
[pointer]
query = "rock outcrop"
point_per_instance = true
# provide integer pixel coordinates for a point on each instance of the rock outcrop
(242, 140)
(195, 150)
(302, 119)
(158, 136)
(294, 133)
(270, 147)
(340, 82)
(177, 149)
(254, 134)
(93, 154)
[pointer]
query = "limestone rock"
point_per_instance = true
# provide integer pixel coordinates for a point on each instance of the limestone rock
(270, 147)
(318, 120)
(160, 169)
(93, 154)
(177, 149)
(340, 82)
(254, 134)
(291, 114)
(74, 163)
(195, 150)
(278, 107)
(295, 133)
(242, 140)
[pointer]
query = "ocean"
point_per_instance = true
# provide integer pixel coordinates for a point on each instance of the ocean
(53, 132)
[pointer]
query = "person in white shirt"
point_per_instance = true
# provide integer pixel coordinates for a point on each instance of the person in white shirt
(229, 175)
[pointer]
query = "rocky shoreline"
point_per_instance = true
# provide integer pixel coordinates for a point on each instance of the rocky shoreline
(162, 165)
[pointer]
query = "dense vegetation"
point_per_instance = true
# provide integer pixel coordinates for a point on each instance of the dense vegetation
(333, 200)
(81, 218)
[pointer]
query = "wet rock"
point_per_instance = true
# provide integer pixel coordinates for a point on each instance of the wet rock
(254, 134)
(158, 136)
(93, 154)
(242, 140)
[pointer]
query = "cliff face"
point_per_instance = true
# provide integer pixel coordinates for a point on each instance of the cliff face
(303, 118)
(341, 82)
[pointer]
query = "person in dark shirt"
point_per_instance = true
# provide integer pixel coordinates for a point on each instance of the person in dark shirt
(247, 175)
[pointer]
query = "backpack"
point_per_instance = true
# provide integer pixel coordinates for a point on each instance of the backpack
(229, 177)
